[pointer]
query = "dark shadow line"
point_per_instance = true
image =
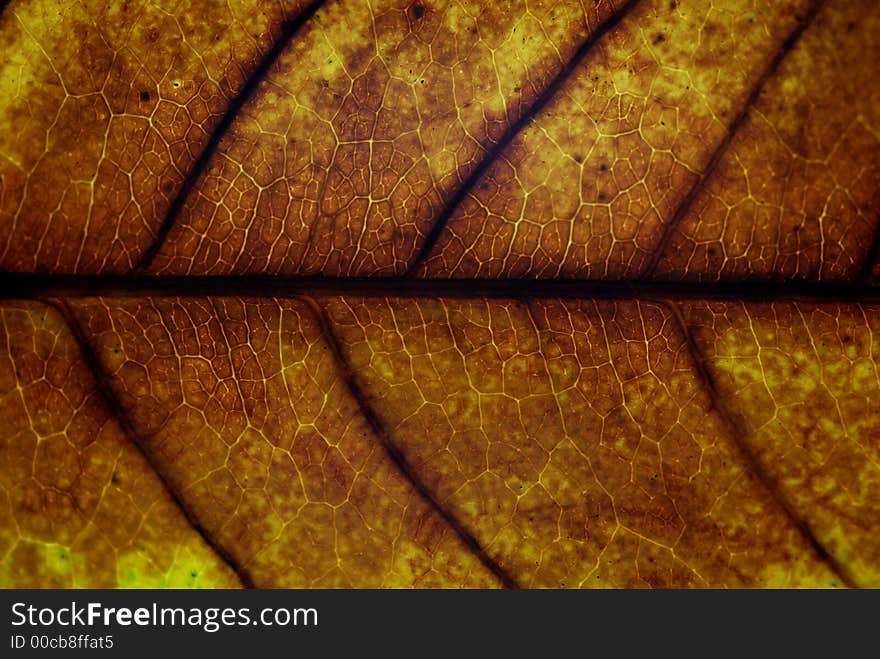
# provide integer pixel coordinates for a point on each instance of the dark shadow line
(494, 153)
(117, 410)
(42, 286)
(395, 454)
(753, 462)
(289, 30)
(732, 129)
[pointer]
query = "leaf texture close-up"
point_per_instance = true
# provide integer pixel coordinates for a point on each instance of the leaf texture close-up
(440, 294)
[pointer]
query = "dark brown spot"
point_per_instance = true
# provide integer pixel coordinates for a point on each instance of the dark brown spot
(659, 38)
(145, 96)
(417, 11)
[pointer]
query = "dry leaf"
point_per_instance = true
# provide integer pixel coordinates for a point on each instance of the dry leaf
(440, 294)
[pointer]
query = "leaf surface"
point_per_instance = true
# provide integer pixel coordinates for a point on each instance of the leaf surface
(364, 129)
(79, 504)
(242, 408)
(440, 294)
(707, 145)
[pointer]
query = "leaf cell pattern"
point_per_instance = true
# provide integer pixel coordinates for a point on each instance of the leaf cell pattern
(284, 303)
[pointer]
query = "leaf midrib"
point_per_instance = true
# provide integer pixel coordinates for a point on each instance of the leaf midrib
(34, 286)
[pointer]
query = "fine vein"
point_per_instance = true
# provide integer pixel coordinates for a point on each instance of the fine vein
(512, 131)
(288, 31)
(118, 411)
(752, 461)
(396, 455)
(737, 123)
